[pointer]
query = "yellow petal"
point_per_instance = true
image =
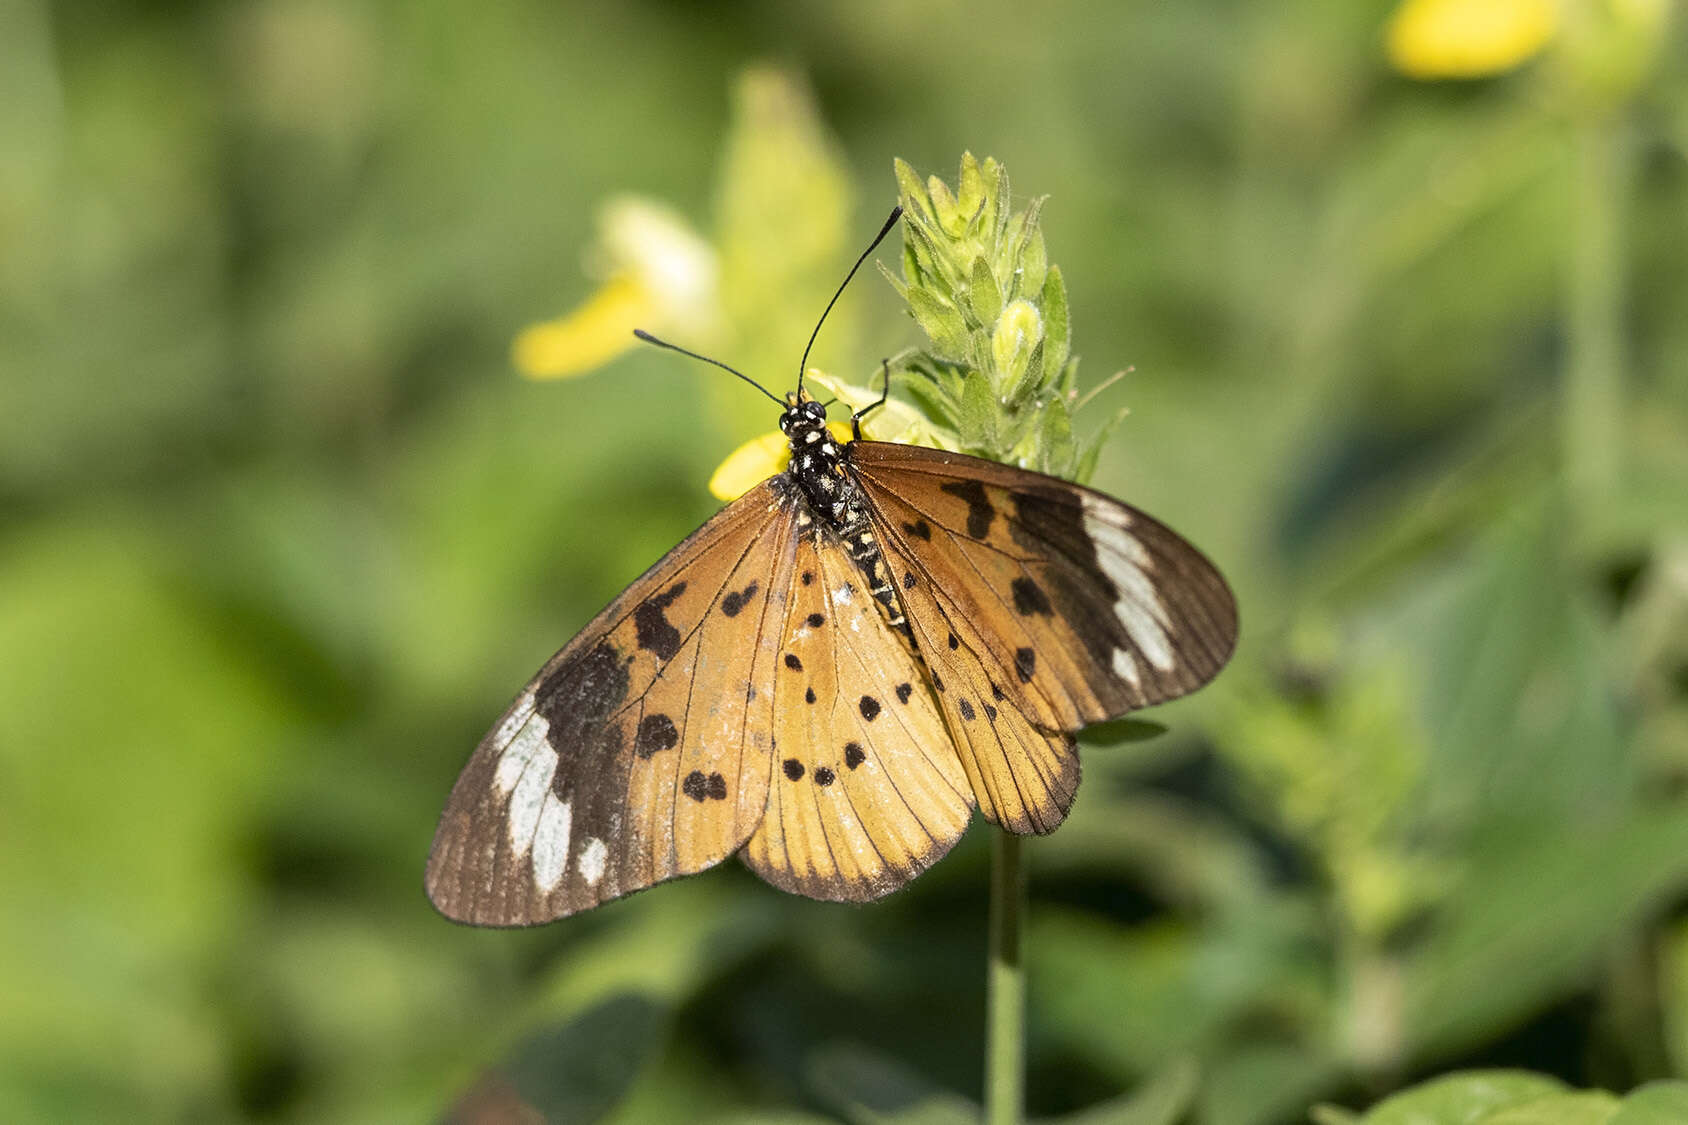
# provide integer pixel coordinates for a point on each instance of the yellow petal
(1468, 38)
(676, 266)
(757, 460)
(588, 337)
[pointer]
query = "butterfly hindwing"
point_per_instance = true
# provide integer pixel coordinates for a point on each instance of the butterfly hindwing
(866, 792)
(642, 750)
(1056, 605)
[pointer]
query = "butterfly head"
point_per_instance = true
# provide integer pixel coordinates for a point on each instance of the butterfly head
(817, 461)
(802, 414)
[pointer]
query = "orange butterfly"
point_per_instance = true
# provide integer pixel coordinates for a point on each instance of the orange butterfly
(827, 678)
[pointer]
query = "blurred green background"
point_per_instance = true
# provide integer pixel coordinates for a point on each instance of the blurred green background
(283, 531)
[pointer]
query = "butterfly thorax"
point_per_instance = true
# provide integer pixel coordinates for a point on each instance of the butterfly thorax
(817, 463)
(835, 500)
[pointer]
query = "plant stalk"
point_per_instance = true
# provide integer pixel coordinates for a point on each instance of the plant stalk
(1005, 997)
(1593, 391)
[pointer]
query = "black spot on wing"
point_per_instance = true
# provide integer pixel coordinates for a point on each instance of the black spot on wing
(980, 513)
(793, 769)
(808, 695)
(909, 580)
(733, 602)
(990, 712)
(696, 786)
(824, 775)
(792, 662)
(854, 755)
(656, 733)
(1025, 663)
(869, 708)
(966, 709)
(651, 621)
(816, 620)
(954, 642)
(1029, 598)
(717, 787)
(1049, 520)
(920, 529)
(808, 577)
(583, 689)
(904, 691)
(575, 700)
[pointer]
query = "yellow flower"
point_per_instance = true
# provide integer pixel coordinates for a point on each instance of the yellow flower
(1468, 38)
(661, 277)
(757, 460)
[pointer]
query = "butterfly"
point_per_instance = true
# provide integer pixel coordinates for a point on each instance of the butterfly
(827, 678)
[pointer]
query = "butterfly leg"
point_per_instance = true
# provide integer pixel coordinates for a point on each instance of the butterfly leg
(856, 418)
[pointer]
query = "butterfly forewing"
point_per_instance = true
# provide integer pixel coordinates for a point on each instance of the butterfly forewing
(642, 750)
(867, 791)
(1056, 605)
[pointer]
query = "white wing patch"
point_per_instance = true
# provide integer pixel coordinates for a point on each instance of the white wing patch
(527, 800)
(1126, 668)
(551, 842)
(524, 735)
(592, 858)
(1124, 560)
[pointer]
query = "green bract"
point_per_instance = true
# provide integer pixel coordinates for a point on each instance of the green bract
(997, 376)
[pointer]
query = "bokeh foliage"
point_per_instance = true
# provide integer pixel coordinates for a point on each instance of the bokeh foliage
(282, 532)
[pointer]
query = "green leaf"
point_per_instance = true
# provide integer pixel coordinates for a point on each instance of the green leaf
(913, 192)
(1030, 259)
(1117, 732)
(896, 282)
(1462, 1099)
(942, 324)
(983, 296)
(1057, 321)
(999, 198)
(970, 192)
(1657, 1103)
(980, 412)
(869, 1089)
(1588, 1108)
(1058, 449)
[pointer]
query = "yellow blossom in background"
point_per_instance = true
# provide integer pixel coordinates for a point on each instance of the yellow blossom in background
(757, 460)
(1468, 38)
(661, 276)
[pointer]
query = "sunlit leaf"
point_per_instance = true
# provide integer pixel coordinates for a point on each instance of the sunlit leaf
(1462, 1099)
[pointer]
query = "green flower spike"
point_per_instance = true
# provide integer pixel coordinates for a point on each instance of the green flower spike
(997, 376)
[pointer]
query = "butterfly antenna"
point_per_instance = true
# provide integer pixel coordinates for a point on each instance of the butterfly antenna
(803, 364)
(649, 339)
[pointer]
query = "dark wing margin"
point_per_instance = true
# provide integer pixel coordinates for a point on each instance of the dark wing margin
(642, 750)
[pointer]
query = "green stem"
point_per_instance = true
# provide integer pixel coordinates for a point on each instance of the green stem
(1593, 392)
(1005, 999)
